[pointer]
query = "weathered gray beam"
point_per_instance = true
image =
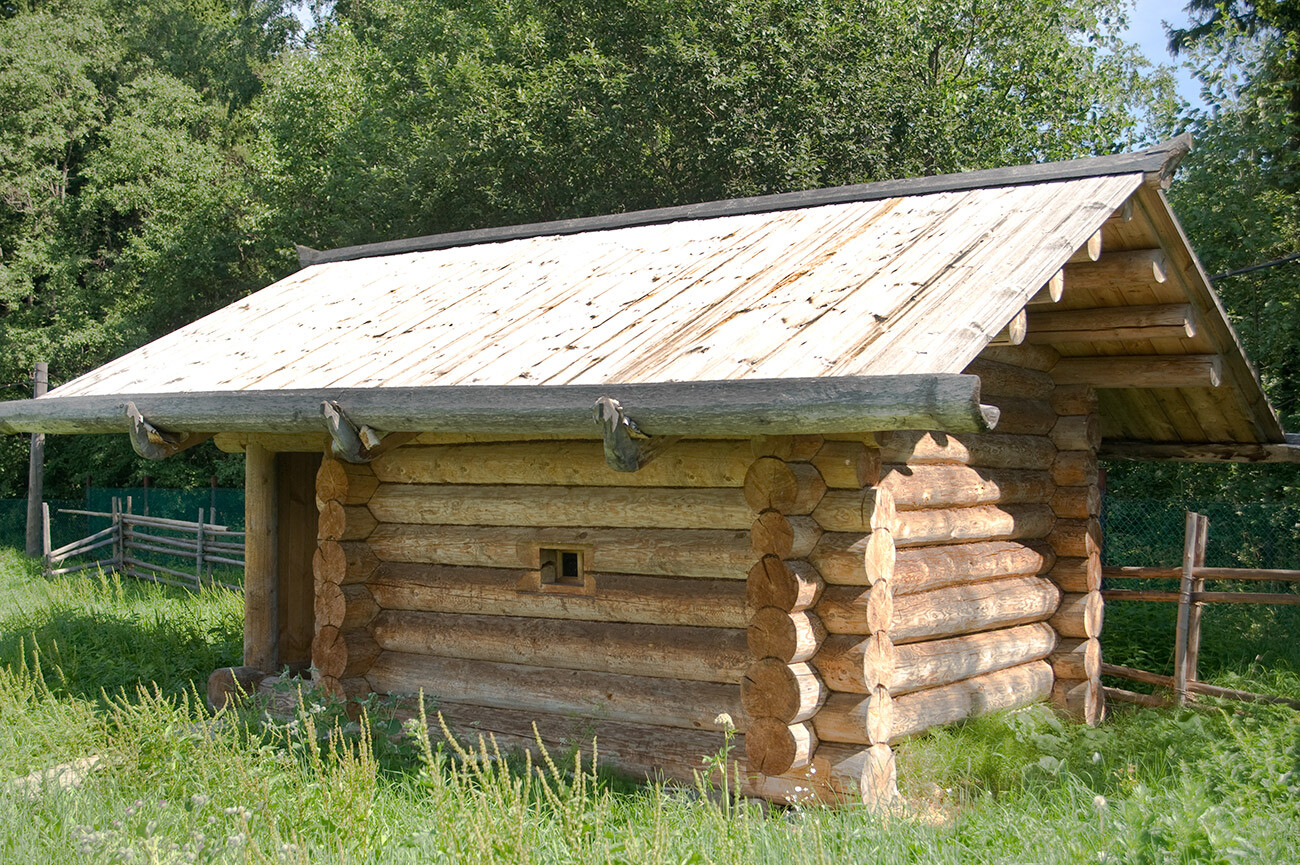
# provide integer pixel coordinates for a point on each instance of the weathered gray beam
(743, 408)
(1242, 452)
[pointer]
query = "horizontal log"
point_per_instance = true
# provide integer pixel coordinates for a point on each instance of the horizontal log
(864, 719)
(842, 718)
(343, 654)
(1195, 687)
(1076, 659)
(1147, 371)
(1051, 292)
(1119, 270)
(1014, 331)
(946, 486)
(668, 651)
(972, 608)
(841, 559)
(1236, 452)
(346, 483)
(789, 448)
(345, 522)
(649, 751)
(1085, 255)
(981, 451)
(788, 693)
(788, 488)
(787, 584)
(1077, 503)
(980, 522)
(309, 442)
(1280, 598)
(638, 699)
(1036, 357)
(774, 534)
(774, 748)
(1004, 379)
(1265, 574)
(942, 662)
(664, 552)
(788, 637)
(861, 510)
(617, 598)
(1112, 323)
(343, 563)
(743, 407)
(1080, 616)
(1076, 538)
(1075, 469)
(853, 664)
(1077, 575)
(1074, 399)
(1019, 416)
(541, 506)
(856, 775)
(344, 607)
(1077, 433)
(1081, 700)
(847, 465)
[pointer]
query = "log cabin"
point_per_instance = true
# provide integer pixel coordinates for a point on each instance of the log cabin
(822, 466)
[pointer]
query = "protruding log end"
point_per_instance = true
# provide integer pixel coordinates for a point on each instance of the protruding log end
(848, 465)
(1080, 616)
(786, 692)
(790, 585)
(789, 637)
(774, 748)
(789, 488)
(775, 534)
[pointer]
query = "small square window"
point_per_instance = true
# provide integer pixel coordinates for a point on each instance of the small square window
(562, 568)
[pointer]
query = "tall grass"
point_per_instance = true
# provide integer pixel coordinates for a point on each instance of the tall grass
(106, 669)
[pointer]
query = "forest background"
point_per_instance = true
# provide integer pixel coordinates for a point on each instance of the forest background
(159, 159)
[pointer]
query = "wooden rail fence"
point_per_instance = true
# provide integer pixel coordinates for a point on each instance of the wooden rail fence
(1191, 598)
(132, 543)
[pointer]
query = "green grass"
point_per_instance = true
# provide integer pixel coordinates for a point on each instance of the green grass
(108, 669)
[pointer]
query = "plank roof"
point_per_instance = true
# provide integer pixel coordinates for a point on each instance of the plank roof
(894, 278)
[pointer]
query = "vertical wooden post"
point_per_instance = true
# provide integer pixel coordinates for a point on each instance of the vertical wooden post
(261, 589)
(117, 533)
(146, 495)
(1194, 615)
(36, 468)
(198, 553)
(1191, 527)
(46, 546)
(212, 500)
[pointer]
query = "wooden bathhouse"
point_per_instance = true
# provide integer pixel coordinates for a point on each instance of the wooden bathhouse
(822, 462)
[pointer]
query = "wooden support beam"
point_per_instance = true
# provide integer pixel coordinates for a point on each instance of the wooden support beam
(1188, 370)
(1089, 252)
(1109, 324)
(1050, 293)
(1014, 332)
(154, 444)
(36, 469)
(357, 443)
(746, 407)
(261, 583)
(1118, 270)
(627, 449)
(1234, 452)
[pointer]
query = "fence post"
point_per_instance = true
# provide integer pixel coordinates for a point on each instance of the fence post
(36, 467)
(1191, 531)
(117, 534)
(46, 546)
(198, 555)
(1194, 614)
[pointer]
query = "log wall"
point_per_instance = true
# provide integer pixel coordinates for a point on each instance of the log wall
(828, 596)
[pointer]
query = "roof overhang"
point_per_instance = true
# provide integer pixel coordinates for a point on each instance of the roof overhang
(748, 407)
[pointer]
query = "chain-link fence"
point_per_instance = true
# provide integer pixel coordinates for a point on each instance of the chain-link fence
(1255, 535)
(220, 506)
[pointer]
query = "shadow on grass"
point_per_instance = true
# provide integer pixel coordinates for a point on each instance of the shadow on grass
(87, 654)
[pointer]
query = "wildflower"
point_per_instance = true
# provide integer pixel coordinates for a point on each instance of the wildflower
(236, 840)
(1096, 756)
(1099, 803)
(723, 720)
(198, 800)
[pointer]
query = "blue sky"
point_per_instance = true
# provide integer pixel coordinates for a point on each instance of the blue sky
(1145, 29)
